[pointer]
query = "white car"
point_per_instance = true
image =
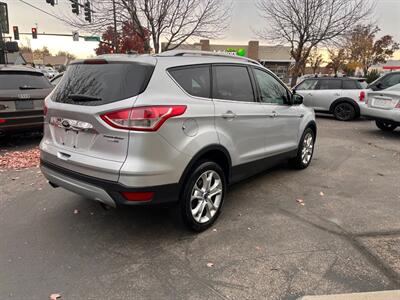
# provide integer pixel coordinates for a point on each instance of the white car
(383, 107)
(340, 96)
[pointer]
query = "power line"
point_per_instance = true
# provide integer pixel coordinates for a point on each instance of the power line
(43, 11)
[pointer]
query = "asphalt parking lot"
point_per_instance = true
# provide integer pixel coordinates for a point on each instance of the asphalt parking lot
(266, 245)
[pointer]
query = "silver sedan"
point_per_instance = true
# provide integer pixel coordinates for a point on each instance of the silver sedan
(384, 108)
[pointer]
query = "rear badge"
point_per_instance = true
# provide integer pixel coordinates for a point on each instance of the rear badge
(113, 139)
(69, 124)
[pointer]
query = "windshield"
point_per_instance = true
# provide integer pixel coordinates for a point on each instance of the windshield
(23, 80)
(107, 83)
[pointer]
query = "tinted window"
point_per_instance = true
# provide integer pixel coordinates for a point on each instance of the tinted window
(109, 82)
(194, 80)
(232, 83)
(271, 90)
(23, 80)
(391, 80)
(330, 84)
(350, 85)
(308, 84)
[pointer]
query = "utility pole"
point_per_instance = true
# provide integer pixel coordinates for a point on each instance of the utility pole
(115, 29)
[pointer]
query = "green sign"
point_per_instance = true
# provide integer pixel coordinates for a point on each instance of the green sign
(92, 39)
(238, 52)
(5, 28)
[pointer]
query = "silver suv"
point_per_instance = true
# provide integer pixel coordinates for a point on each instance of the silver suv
(175, 127)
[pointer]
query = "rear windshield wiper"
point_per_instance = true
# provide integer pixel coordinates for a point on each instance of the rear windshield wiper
(28, 87)
(81, 97)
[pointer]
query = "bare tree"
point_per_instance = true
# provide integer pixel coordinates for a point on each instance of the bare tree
(173, 21)
(304, 24)
(338, 59)
(315, 60)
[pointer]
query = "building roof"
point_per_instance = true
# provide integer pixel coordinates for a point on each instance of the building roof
(55, 60)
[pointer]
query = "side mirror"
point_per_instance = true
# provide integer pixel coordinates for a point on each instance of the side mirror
(297, 99)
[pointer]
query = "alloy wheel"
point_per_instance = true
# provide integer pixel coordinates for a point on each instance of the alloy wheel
(206, 196)
(308, 148)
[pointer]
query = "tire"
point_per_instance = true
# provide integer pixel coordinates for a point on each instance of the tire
(196, 196)
(344, 111)
(385, 126)
(305, 150)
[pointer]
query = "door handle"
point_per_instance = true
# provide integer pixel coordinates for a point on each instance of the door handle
(309, 94)
(63, 156)
(229, 115)
(337, 94)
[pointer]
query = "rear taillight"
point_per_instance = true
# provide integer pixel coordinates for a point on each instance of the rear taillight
(362, 96)
(45, 110)
(2, 121)
(138, 196)
(397, 105)
(145, 118)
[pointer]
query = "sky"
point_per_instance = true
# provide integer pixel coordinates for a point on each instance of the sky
(245, 18)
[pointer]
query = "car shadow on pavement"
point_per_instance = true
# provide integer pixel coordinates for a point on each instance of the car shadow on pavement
(20, 141)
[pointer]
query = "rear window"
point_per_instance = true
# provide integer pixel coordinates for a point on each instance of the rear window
(351, 85)
(330, 84)
(106, 83)
(195, 80)
(23, 81)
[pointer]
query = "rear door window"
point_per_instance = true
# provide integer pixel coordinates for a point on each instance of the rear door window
(351, 85)
(104, 83)
(10, 80)
(195, 80)
(330, 84)
(308, 84)
(232, 83)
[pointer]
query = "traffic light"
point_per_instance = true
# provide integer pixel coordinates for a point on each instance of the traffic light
(51, 2)
(88, 12)
(16, 33)
(34, 33)
(75, 6)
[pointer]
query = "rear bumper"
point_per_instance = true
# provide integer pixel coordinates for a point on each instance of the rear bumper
(392, 116)
(107, 192)
(21, 120)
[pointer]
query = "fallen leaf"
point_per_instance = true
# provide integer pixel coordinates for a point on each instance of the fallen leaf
(17, 160)
(258, 248)
(210, 265)
(55, 296)
(248, 228)
(301, 202)
(321, 194)
(215, 230)
(76, 211)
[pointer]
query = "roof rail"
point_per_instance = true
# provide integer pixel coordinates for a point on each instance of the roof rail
(205, 53)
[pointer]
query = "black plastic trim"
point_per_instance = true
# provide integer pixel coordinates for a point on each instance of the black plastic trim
(247, 170)
(163, 194)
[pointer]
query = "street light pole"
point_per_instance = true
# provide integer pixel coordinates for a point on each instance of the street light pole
(115, 29)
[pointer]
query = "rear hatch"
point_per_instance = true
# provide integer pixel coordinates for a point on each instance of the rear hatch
(22, 93)
(386, 100)
(75, 135)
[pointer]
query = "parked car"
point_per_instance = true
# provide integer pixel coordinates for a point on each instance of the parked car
(339, 96)
(384, 108)
(56, 79)
(22, 93)
(136, 130)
